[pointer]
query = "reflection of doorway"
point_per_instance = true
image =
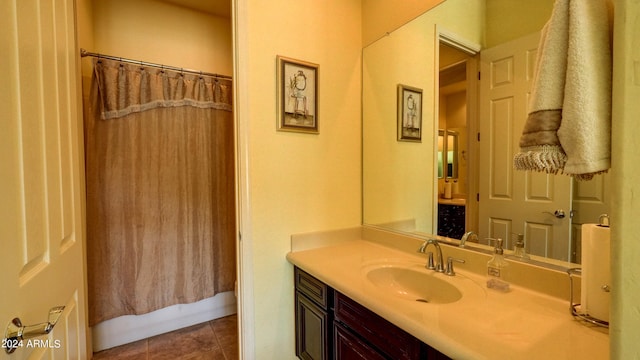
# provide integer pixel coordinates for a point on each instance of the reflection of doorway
(456, 108)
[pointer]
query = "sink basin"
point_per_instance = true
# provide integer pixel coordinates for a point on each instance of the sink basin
(414, 285)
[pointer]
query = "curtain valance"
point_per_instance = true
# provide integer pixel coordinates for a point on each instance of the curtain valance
(128, 88)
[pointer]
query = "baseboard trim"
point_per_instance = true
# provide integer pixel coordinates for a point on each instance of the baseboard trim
(129, 328)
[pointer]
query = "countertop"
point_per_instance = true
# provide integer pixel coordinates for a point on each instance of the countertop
(453, 201)
(483, 324)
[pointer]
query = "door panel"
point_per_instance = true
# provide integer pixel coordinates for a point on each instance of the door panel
(40, 177)
(590, 200)
(516, 201)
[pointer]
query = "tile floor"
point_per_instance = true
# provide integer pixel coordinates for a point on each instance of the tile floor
(216, 339)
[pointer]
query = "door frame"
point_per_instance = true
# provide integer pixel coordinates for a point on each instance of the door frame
(244, 258)
(449, 38)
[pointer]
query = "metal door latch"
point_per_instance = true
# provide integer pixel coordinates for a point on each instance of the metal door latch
(15, 332)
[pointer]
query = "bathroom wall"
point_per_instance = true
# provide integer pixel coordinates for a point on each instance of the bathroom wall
(508, 19)
(291, 182)
(625, 227)
(163, 33)
(452, 115)
(380, 17)
(457, 121)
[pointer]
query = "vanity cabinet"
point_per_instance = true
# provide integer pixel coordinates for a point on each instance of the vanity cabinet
(451, 220)
(330, 325)
(314, 317)
(349, 346)
(389, 340)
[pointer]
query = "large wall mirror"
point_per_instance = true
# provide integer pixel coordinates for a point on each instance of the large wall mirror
(473, 61)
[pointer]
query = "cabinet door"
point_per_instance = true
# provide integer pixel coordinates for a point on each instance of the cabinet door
(312, 330)
(390, 339)
(350, 347)
(451, 221)
(314, 289)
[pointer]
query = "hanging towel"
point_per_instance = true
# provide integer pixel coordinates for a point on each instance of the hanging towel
(568, 128)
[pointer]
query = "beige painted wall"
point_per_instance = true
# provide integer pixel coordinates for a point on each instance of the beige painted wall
(162, 33)
(523, 17)
(625, 227)
(457, 121)
(291, 182)
(84, 21)
(510, 19)
(382, 16)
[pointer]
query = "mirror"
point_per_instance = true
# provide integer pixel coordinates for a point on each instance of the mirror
(404, 182)
(447, 154)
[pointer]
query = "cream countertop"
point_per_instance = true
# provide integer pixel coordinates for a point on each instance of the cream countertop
(452, 201)
(484, 324)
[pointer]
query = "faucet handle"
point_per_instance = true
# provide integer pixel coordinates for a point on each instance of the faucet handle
(450, 261)
(430, 263)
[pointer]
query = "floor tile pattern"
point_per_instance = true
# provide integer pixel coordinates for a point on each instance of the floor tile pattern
(213, 340)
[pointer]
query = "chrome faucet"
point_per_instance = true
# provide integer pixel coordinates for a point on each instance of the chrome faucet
(438, 265)
(466, 236)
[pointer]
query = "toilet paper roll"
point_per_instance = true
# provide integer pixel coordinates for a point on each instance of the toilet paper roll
(596, 271)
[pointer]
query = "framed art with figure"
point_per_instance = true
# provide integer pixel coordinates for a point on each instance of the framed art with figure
(297, 95)
(409, 113)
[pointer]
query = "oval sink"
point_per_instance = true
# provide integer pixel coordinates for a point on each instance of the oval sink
(414, 285)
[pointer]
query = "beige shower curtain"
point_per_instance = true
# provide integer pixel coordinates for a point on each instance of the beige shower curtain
(160, 189)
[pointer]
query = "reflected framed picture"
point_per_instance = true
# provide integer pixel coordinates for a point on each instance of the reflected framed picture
(297, 95)
(409, 113)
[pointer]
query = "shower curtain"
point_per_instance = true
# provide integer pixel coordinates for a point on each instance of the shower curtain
(160, 189)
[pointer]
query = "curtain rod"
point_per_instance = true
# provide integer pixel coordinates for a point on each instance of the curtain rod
(85, 53)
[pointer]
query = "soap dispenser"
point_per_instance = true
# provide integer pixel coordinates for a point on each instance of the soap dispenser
(518, 251)
(498, 269)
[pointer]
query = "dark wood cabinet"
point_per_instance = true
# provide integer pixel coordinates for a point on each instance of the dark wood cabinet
(451, 220)
(350, 347)
(314, 318)
(390, 340)
(330, 325)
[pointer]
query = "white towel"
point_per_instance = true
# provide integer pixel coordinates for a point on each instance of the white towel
(568, 129)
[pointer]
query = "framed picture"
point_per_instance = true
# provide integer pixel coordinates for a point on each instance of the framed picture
(297, 95)
(409, 113)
